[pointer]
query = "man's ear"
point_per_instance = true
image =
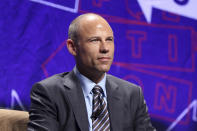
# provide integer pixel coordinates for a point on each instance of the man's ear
(71, 47)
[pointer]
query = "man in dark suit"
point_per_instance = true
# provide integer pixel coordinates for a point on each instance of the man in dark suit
(88, 99)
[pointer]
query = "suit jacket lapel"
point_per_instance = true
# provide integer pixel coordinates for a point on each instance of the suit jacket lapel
(114, 104)
(76, 98)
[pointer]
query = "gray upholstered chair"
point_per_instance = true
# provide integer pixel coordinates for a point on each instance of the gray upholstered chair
(13, 120)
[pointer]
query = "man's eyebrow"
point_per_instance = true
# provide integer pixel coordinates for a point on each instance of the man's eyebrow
(98, 37)
(93, 37)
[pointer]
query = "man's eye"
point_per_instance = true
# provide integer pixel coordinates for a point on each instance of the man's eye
(109, 39)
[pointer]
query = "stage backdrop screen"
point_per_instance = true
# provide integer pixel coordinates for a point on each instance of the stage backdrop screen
(155, 47)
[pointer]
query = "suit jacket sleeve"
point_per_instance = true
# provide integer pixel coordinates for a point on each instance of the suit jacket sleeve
(142, 120)
(42, 112)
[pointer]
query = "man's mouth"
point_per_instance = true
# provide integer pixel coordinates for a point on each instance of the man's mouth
(104, 59)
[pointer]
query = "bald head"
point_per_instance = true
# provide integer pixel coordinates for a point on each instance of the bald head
(80, 22)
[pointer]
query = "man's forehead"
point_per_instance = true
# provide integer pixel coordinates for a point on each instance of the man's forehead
(95, 30)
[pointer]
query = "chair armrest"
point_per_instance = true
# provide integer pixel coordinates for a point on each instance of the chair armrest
(13, 120)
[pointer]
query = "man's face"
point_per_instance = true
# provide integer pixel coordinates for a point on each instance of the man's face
(95, 48)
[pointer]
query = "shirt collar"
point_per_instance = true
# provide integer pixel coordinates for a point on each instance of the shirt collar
(87, 85)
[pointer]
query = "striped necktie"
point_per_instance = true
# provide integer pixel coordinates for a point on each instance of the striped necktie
(100, 116)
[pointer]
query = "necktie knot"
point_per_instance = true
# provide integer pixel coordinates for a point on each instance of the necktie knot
(97, 90)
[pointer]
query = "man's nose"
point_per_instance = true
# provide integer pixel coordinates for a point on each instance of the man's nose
(104, 48)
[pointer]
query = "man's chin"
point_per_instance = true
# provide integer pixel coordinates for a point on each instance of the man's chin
(104, 69)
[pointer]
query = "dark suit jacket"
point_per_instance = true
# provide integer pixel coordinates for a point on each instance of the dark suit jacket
(58, 104)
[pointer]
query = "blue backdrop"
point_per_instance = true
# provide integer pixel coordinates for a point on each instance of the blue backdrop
(155, 47)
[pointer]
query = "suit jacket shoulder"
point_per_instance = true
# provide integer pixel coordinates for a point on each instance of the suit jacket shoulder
(128, 109)
(124, 86)
(52, 81)
(57, 104)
